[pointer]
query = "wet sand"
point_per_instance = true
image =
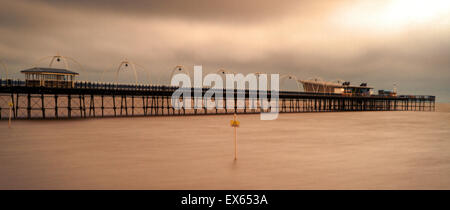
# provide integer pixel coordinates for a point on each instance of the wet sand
(341, 150)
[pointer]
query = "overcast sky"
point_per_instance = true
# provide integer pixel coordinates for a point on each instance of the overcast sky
(406, 42)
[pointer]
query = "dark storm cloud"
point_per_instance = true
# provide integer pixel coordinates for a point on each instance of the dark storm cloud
(17, 14)
(199, 10)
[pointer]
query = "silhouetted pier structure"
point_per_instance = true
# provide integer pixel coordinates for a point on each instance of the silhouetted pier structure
(89, 99)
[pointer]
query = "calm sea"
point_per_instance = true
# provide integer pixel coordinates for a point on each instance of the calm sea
(342, 150)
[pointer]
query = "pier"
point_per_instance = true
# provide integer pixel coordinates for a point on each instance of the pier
(95, 99)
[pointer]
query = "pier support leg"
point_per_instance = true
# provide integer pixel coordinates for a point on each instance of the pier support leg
(144, 106)
(29, 106)
(132, 105)
(84, 105)
(69, 106)
(92, 106)
(43, 105)
(114, 105)
(103, 107)
(16, 113)
(56, 105)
